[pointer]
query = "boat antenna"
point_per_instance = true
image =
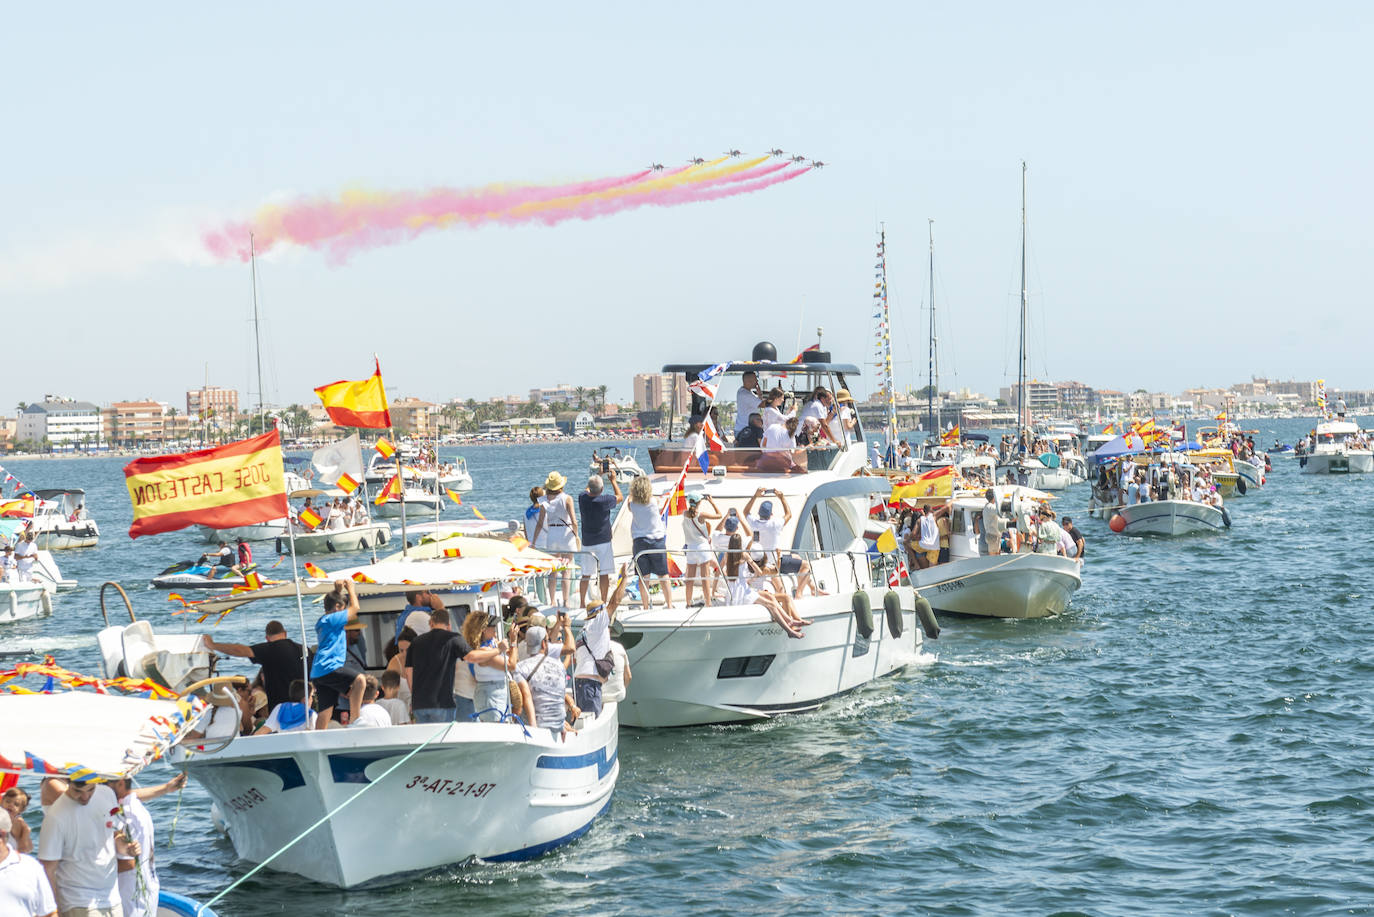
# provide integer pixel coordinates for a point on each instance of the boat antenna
(1022, 421)
(257, 330)
(934, 353)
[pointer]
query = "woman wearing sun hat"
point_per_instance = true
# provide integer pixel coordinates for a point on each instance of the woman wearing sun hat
(558, 524)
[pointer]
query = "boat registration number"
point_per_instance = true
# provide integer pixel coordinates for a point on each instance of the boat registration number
(246, 801)
(951, 586)
(439, 785)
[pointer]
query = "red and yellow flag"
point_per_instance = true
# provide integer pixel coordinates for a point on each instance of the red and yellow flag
(309, 519)
(478, 513)
(452, 552)
(392, 489)
(346, 483)
(357, 404)
(19, 508)
(937, 483)
(241, 483)
(314, 571)
(1109, 430)
(453, 495)
(520, 542)
(385, 448)
(950, 437)
(252, 581)
(361, 577)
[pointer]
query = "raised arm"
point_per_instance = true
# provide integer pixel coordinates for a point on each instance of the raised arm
(145, 793)
(786, 510)
(749, 507)
(615, 484)
(226, 649)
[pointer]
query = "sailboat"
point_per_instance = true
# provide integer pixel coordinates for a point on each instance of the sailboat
(1042, 472)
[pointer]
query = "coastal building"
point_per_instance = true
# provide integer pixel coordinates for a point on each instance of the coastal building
(220, 405)
(650, 390)
(521, 426)
(135, 423)
(65, 423)
(411, 416)
(572, 423)
(1111, 401)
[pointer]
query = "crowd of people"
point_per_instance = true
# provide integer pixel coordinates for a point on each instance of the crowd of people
(17, 558)
(336, 514)
(1126, 484)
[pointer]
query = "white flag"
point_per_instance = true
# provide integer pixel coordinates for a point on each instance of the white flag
(336, 459)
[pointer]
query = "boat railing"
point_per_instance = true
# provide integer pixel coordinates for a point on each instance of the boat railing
(744, 460)
(832, 570)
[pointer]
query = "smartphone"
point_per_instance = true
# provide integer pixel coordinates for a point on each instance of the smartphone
(605, 466)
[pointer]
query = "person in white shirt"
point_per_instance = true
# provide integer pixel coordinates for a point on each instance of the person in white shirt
(79, 852)
(619, 679)
(25, 553)
(842, 423)
(774, 408)
(768, 529)
(694, 434)
(292, 716)
(397, 710)
(24, 887)
(7, 564)
(372, 713)
(593, 646)
(993, 526)
(746, 400)
(781, 436)
(138, 894)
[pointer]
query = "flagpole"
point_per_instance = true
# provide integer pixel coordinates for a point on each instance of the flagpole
(366, 498)
(400, 468)
(300, 605)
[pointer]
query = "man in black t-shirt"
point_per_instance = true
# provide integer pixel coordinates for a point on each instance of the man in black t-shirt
(279, 656)
(429, 669)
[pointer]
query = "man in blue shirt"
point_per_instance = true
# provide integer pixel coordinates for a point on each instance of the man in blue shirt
(596, 507)
(331, 673)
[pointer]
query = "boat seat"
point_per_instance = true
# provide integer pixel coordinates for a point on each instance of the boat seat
(138, 643)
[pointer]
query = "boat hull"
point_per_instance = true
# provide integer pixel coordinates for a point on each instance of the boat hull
(1172, 517)
(61, 536)
(688, 670)
(21, 601)
(1339, 463)
(495, 792)
(263, 531)
(1002, 585)
(414, 507)
(1251, 473)
(357, 538)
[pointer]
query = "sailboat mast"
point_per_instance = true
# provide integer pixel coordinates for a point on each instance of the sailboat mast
(934, 382)
(1021, 418)
(257, 330)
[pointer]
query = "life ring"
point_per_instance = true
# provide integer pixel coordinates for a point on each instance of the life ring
(926, 615)
(863, 614)
(892, 604)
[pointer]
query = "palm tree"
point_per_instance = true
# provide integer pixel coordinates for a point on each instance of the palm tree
(601, 393)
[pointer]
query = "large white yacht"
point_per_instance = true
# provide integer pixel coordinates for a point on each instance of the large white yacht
(1340, 449)
(731, 663)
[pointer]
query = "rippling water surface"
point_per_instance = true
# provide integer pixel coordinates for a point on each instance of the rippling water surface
(1194, 736)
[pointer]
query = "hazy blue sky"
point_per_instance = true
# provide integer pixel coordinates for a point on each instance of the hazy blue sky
(1200, 189)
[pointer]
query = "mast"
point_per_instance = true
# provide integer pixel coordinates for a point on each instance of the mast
(934, 353)
(1021, 419)
(885, 347)
(257, 331)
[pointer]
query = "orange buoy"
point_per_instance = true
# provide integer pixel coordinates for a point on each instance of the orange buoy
(1117, 524)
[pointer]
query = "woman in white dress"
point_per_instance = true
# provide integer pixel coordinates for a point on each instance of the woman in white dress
(696, 531)
(558, 524)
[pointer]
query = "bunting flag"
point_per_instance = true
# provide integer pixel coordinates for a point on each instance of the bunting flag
(357, 404)
(452, 552)
(702, 453)
(242, 483)
(309, 519)
(703, 388)
(346, 483)
(1109, 430)
(252, 581)
(390, 491)
(361, 577)
(713, 440)
(520, 542)
(21, 508)
(950, 437)
(454, 495)
(314, 571)
(385, 448)
(478, 513)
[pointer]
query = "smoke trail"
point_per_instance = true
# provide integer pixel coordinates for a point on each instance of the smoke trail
(360, 219)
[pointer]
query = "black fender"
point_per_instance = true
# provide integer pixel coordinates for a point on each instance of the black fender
(1225, 517)
(329, 544)
(362, 544)
(892, 605)
(863, 614)
(1240, 485)
(926, 615)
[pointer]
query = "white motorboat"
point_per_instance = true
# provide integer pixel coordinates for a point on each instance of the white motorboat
(624, 462)
(732, 663)
(492, 791)
(1044, 472)
(1252, 473)
(1022, 585)
(60, 520)
(418, 504)
(1340, 449)
(1173, 517)
(324, 540)
(381, 469)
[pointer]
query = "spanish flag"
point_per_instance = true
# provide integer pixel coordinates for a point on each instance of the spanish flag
(22, 507)
(309, 519)
(1109, 430)
(950, 437)
(252, 581)
(452, 552)
(385, 448)
(346, 483)
(478, 513)
(357, 404)
(454, 495)
(315, 571)
(241, 483)
(392, 489)
(937, 483)
(361, 577)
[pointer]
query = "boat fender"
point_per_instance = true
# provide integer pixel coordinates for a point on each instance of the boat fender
(329, 544)
(926, 615)
(863, 614)
(381, 536)
(1225, 517)
(892, 604)
(1240, 486)
(279, 550)
(1117, 523)
(362, 544)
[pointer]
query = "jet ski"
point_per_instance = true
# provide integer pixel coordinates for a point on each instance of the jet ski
(196, 574)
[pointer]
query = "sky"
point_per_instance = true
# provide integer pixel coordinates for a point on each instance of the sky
(1199, 191)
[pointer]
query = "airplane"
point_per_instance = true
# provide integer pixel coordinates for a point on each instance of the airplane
(776, 153)
(799, 159)
(656, 167)
(733, 153)
(817, 164)
(696, 160)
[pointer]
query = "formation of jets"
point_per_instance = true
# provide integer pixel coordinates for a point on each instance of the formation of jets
(697, 160)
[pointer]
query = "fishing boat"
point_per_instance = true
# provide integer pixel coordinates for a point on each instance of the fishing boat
(1340, 449)
(732, 663)
(59, 722)
(1019, 585)
(1172, 517)
(60, 520)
